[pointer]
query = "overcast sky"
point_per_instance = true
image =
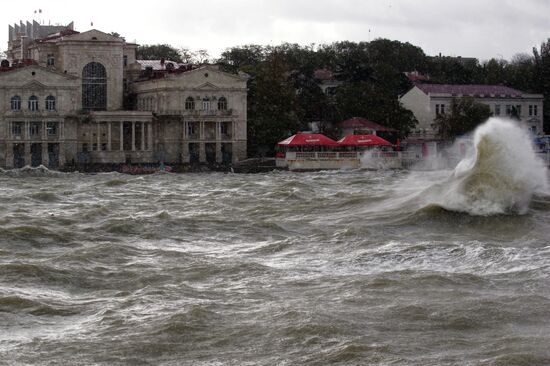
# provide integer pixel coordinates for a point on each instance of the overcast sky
(468, 28)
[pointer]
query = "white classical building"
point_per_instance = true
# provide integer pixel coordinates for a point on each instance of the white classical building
(427, 101)
(68, 97)
(203, 107)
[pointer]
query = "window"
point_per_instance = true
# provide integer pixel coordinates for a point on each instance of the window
(189, 104)
(50, 103)
(191, 131)
(125, 60)
(205, 104)
(518, 110)
(94, 87)
(439, 109)
(84, 147)
(16, 128)
(16, 103)
(508, 109)
(34, 129)
(497, 109)
(33, 103)
(225, 129)
(533, 110)
(50, 60)
(222, 104)
(51, 128)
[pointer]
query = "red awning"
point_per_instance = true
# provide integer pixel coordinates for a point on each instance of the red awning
(308, 139)
(363, 140)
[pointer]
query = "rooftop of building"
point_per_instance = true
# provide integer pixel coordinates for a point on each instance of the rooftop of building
(471, 90)
(161, 64)
(359, 122)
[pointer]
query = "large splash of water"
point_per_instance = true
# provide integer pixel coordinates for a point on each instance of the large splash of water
(500, 175)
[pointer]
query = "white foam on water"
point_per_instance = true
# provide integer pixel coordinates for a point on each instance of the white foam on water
(499, 175)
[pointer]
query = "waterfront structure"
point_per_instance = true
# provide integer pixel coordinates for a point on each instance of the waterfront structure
(82, 98)
(201, 113)
(427, 101)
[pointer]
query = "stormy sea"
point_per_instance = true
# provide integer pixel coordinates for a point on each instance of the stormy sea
(361, 267)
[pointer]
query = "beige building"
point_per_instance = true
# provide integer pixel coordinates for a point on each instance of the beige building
(204, 108)
(427, 101)
(83, 98)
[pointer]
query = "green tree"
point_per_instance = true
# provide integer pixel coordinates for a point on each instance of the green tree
(374, 103)
(271, 106)
(157, 52)
(245, 58)
(542, 78)
(521, 72)
(464, 116)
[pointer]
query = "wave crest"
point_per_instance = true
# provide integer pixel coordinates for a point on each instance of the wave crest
(500, 175)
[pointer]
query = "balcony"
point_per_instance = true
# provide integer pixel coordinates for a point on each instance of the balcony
(201, 113)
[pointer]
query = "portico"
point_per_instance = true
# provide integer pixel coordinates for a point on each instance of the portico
(118, 137)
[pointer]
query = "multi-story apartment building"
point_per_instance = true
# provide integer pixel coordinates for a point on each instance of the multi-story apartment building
(427, 101)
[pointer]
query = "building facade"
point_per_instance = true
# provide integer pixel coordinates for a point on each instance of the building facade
(427, 101)
(83, 98)
(204, 109)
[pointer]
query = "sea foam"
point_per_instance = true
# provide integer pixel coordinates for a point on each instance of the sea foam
(499, 175)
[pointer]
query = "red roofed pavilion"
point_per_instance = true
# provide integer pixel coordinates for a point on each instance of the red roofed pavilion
(363, 140)
(308, 139)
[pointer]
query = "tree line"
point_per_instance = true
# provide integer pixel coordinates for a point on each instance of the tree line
(284, 95)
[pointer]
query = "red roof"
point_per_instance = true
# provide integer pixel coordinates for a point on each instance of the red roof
(355, 122)
(471, 90)
(308, 139)
(323, 74)
(363, 140)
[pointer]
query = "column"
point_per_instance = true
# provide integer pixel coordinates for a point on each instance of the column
(218, 152)
(142, 136)
(121, 136)
(61, 155)
(150, 136)
(91, 132)
(44, 135)
(185, 152)
(98, 136)
(9, 155)
(27, 153)
(133, 136)
(218, 143)
(45, 157)
(109, 143)
(26, 134)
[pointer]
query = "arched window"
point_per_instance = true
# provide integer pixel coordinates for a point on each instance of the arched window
(189, 104)
(205, 104)
(50, 103)
(33, 103)
(16, 103)
(222, 104)
(94, 87)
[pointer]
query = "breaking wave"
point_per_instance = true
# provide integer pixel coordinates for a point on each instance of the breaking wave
(499, 176)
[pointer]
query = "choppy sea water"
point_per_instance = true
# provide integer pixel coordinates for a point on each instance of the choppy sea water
(270, 269)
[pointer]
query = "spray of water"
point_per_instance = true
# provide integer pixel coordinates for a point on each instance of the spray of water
(499, 175)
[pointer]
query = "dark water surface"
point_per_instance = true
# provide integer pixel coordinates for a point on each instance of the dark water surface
(274, 269)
